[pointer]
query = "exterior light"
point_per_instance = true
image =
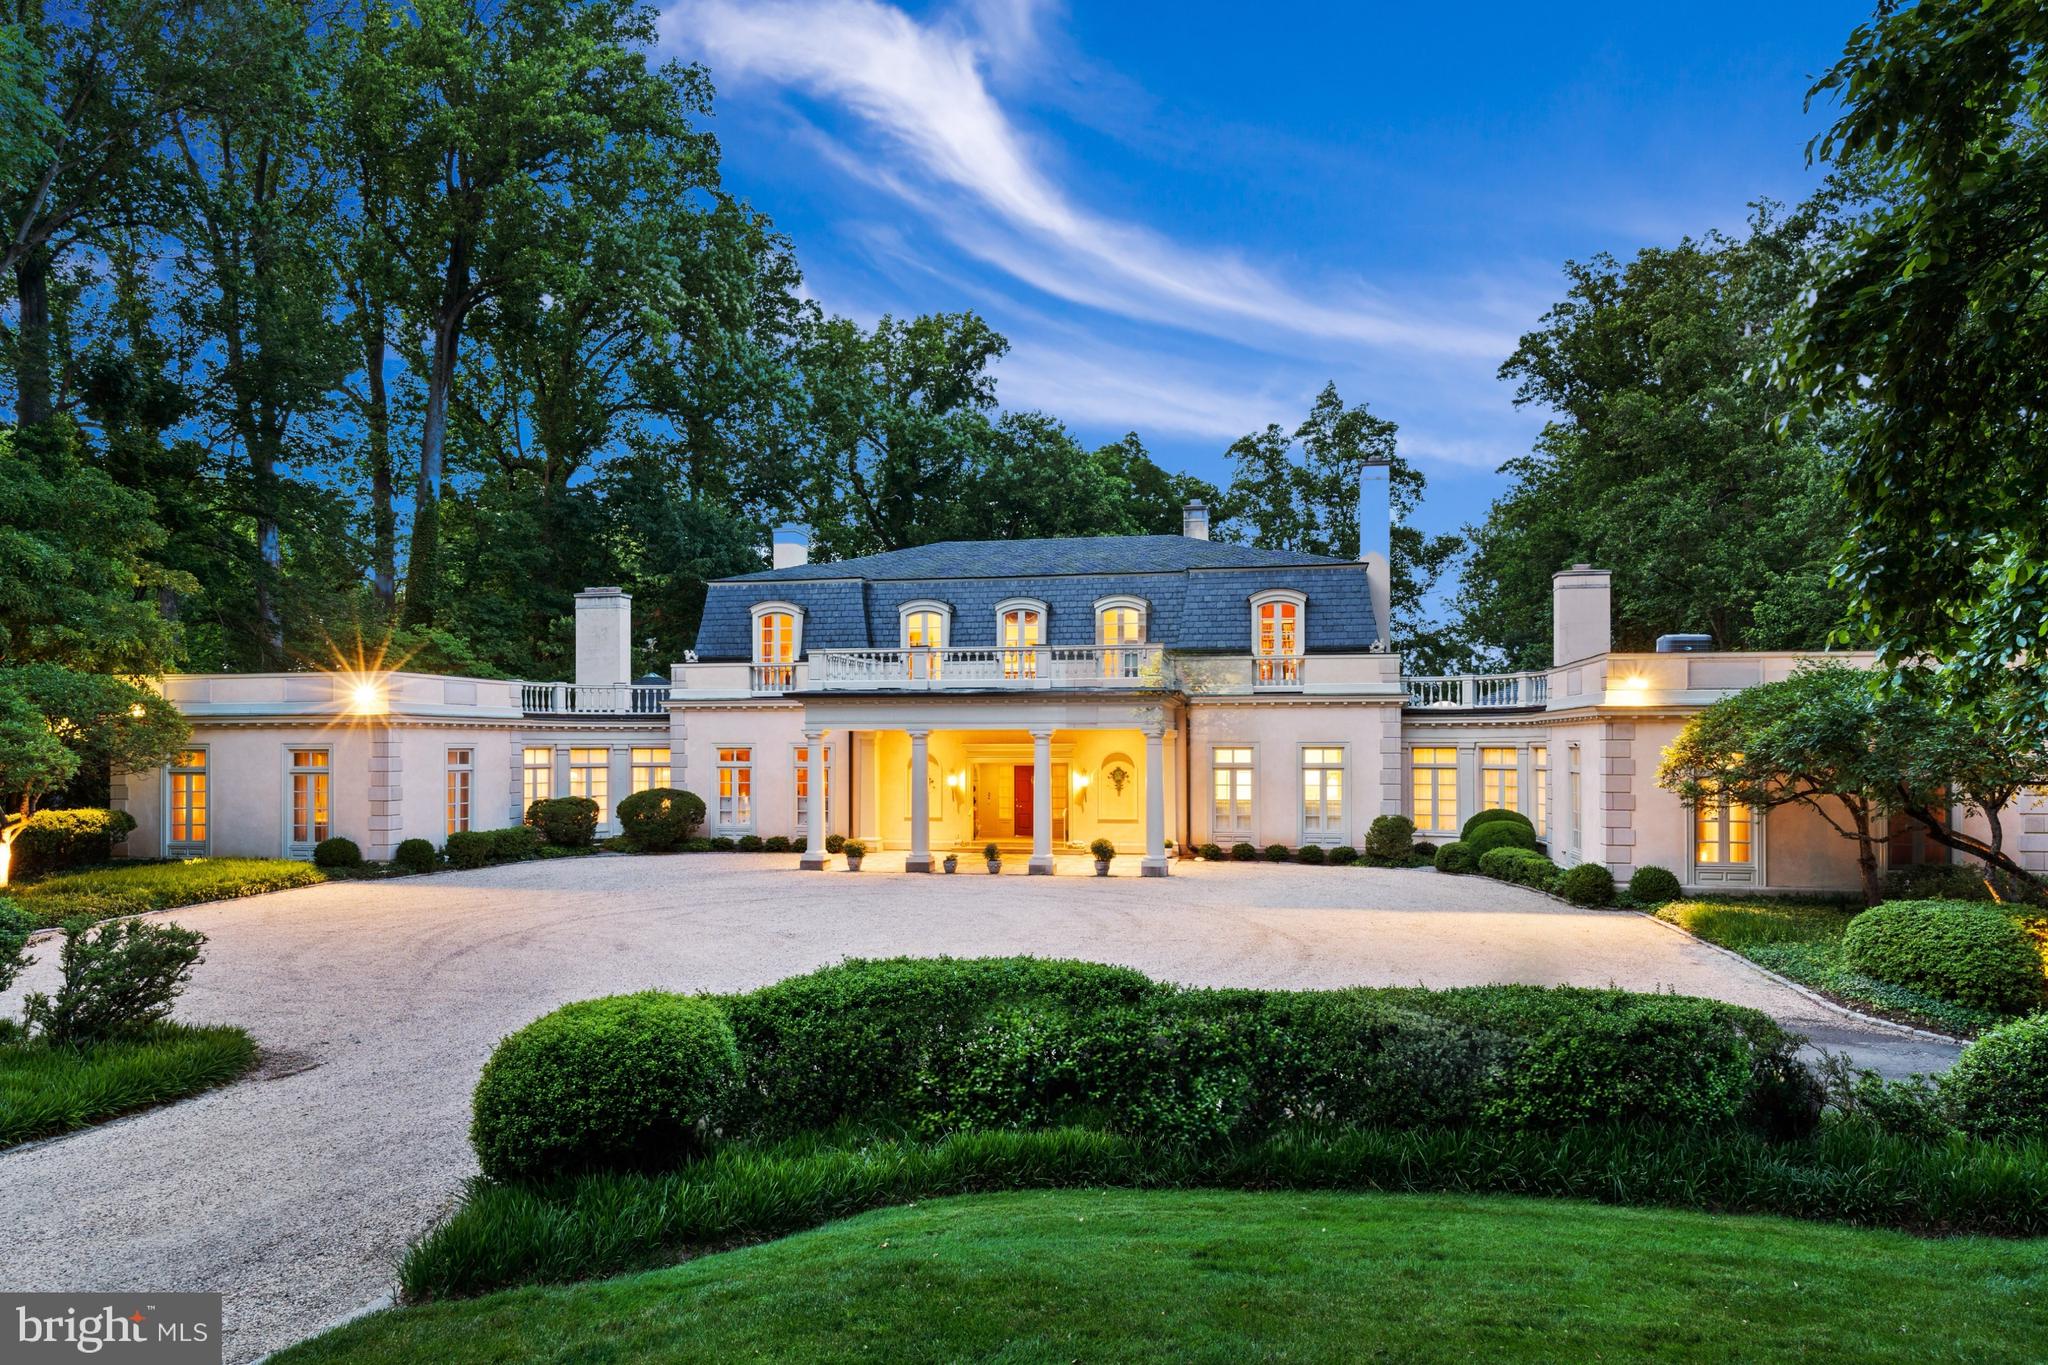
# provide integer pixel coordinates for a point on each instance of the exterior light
(1634, 687)
(366, 699)
(137, 711)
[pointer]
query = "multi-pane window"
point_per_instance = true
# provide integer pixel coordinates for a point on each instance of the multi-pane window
(651, 768)
(1278, 642)
(1322, 794)
(775, 648)
(309, 786)
(536, 775)
(188, 801)
(924, 630)
(1539, 774)
(1500, 780)
(1722, 832)
(1119, 626)
(1023, 629)
(803, 787)
(1433, 793)
(1233, 793)
(1571, 795)
(735, 788)
(590, 774)
(461, 771)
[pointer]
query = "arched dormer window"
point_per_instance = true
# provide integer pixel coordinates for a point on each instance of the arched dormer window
(1020, 630)
(926, 627)
(1120, 622)
(1279, 637)
(778, 644)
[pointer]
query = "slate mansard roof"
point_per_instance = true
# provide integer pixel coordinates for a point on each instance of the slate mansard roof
(1198, 593)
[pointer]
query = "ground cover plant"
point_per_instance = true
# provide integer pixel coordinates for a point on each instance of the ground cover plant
(107, 892)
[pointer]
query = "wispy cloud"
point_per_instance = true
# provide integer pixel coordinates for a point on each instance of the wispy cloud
(922, 89)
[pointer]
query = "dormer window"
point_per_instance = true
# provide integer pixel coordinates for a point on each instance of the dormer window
(778, 644)
(1277, 637)
(1020, 629)
(1120, 621)
(925, 628)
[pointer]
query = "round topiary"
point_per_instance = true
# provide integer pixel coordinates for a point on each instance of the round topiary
(834, 842)
(414, 855)
(660, 818)
(1495, 813)
(1242, 853)
(628, 1081)
(1211, 853)
(1998, 1088)
(1457, 857)
(1390, 838)
(1587, 884)
(1311, 853)
(565, 821)
(1424, 849)
(337, 852)
(1653, 886)
(1278, 853)
(1500, 834)
(1964, 951)
(1343, 854)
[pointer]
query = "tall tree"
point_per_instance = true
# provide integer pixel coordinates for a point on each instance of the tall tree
(1664, 460)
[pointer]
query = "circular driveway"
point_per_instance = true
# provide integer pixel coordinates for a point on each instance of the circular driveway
(376, 1004)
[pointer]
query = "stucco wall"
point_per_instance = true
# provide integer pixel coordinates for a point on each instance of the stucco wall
(1276, 732)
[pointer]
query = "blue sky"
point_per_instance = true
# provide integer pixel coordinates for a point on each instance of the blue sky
(1186, 218)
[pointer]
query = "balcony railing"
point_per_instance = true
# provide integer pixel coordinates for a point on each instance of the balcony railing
(1276, 672)
(1021, 669)
(623, 699)
(1477, 691)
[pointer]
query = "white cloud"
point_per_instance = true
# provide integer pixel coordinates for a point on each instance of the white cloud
(922, 88)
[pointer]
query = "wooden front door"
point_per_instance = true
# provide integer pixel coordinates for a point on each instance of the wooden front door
(1021, 778)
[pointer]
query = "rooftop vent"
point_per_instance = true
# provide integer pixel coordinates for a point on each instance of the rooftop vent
(1685, 644)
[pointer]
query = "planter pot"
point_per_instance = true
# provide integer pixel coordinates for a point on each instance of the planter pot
(995, 865)
(853, 864)
(952, 865)
(1102, 867)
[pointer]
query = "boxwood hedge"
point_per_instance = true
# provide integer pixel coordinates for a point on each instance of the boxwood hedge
(1965, 951)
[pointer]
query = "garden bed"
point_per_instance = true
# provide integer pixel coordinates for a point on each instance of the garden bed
(46, 1090)
(1178, 1276)
(105, 893)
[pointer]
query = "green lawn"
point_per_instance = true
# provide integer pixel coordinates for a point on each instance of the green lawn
(49, 1090)
(1126, 1276)
(1803, 940)
(104, 893)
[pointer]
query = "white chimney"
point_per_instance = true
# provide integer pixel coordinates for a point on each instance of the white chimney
(1194, 521)
(1581, 614)
(604, 638)
(792, 545)
(1376, 542)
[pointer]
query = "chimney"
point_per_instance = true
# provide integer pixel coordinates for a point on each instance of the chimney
(1376, 542)
(604, 638)
(1581, 614)
(792, 545)
(1194, 521)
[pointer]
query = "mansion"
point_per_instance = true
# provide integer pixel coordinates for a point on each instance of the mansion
(1162, 692)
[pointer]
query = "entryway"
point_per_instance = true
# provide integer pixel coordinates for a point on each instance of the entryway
(1005, 799)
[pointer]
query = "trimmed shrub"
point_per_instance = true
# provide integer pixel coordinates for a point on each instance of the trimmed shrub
(1496, 813)
(1522, 866)
(721, 844)
(1938, 882)
(1243, 853)
(565, 821)
(1457, 857)
(16, 924)
(1343, 855)
(1653, 886)
(337, 852)
(834, 842)
(414, 855)
(1500, 834)
(1424, 849)
(1211, 853)
(749, 843)
(1963, 951)
(1586, 884)
(1103, 850)
(1313, 854)
(1278, 853)
(629, 1081)
(800, 844)
(775, 843)
(54, 840)
(699, 845)
(1390, 838)
(1669, 1058)
(120, 979)
(514, 843)
(660, 818)
(467, 849)
(1998, 1088)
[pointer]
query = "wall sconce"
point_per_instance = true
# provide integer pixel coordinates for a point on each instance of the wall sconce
(1633, 688)
(366, 698)
(957, 784)
(1081, 789)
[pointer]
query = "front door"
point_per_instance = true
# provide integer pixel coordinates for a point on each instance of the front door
(1021, 779)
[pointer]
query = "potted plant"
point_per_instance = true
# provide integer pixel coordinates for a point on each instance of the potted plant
(994, 856)
(1103, 850)
(952, 863)
(854, 850)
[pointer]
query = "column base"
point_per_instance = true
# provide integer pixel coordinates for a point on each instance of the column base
(1040, 867)
(1152, 867)
(814, 862)
(916, 864)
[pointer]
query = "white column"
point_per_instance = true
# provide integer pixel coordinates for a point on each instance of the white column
(1041, 804)
(1154, 862)
(920, 859)
(814, 785)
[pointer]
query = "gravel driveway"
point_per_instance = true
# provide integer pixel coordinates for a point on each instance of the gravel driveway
(376, 1003)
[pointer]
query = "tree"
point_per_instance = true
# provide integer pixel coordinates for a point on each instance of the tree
(1975, 757)
(1822, 738)
(1930, 321)
(1301, 493)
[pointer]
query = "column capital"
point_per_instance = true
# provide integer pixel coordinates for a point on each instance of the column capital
(814, 733)
(923, 732)
(1040, 734)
